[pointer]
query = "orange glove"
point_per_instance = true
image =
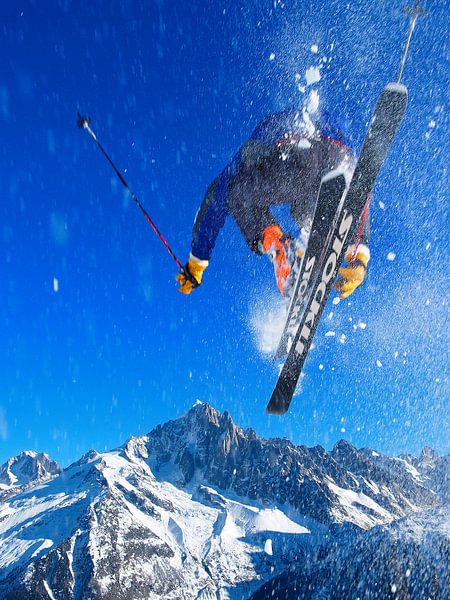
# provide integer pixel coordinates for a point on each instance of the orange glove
(195, 267)
(353, 274)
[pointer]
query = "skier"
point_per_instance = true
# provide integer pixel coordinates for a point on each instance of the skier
(282, 163)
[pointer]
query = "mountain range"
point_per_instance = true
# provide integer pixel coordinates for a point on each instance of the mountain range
(200, 508)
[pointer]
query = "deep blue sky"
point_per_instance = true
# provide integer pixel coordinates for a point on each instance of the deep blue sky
(173, 88)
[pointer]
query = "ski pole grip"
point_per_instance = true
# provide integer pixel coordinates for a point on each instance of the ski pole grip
(190, 277)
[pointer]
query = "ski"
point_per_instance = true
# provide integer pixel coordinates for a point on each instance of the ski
(384, 124)
(330, 192)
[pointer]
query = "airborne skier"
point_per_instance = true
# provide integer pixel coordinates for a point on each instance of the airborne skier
(283, 162)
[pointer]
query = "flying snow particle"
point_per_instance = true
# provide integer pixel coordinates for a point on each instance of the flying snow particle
(336, 300)
(321, 367)
(391, 256)
(55, 284)
(428, 246)
(314, 48)
(267, 319)
(342, 338)
(330, 334)
(272, 56)
(313, 102)
(268, 547)
(393, 588)
(304, 143)
(312, 75)
(381, 205)
(379, 363)
(362, 325)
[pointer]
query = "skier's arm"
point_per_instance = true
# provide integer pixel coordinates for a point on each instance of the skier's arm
(208, 222)
(210, 219)
(214, 209)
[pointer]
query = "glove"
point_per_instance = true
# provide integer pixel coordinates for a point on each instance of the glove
(353, 274)
(195, 267)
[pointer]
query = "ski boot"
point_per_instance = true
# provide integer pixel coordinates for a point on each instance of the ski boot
(283, 253)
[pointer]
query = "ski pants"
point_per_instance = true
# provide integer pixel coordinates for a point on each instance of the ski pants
(290, 175)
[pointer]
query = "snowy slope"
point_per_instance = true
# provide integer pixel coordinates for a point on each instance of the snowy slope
(198, 508)
(107, 524)
(405, 560)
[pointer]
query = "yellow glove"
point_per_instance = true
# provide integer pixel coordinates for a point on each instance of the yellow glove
(195, 267)
(353, 275)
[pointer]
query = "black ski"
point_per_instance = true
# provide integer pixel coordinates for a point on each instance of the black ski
(385, 121)
(330, 192)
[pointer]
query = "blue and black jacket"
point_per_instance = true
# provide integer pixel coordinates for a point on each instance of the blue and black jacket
(253, 166)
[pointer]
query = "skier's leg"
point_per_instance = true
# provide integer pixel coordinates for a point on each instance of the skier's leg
(249, 197)
(250, 208)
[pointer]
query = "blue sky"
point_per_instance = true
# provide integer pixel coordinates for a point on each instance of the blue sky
(96, 342)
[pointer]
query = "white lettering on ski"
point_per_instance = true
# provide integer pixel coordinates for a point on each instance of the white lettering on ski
(327, 273)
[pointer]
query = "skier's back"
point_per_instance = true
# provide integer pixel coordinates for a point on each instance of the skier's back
(283, 162)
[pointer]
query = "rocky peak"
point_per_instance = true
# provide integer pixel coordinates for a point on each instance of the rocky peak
(192, 510)
(428, 458)
(28, 467)
(206, 445)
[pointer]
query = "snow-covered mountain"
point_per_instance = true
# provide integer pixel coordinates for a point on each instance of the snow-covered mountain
(200, 508)
(404, 560)
(26, 469)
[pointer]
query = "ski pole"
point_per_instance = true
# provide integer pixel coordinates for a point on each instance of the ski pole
(84, 123)
(414, 13)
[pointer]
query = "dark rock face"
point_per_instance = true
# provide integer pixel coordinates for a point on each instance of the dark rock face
(277, 472)
(192, 510)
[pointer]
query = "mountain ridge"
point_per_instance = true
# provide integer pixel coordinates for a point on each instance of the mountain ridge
(201, 508)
